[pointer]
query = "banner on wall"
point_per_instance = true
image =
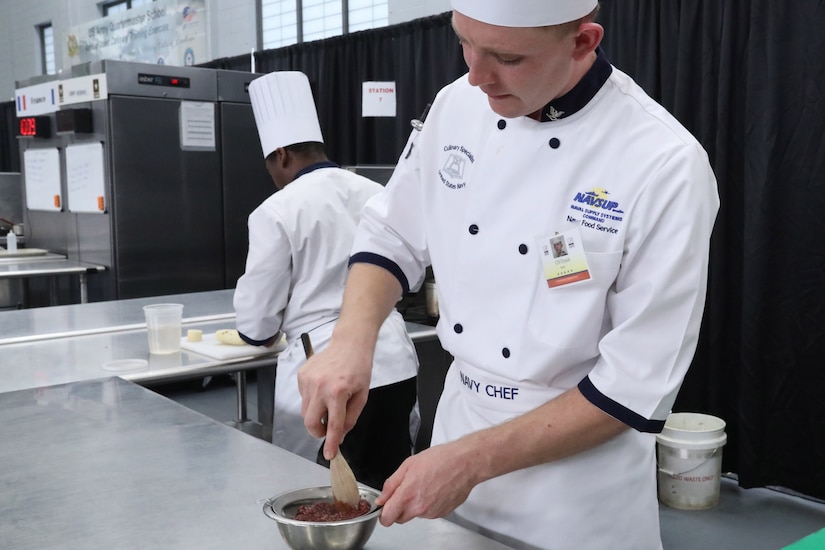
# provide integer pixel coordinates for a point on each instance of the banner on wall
(166, 32)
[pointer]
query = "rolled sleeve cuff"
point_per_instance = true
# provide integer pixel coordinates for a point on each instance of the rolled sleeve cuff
(253, 342)
(618, 411)
(381, 261)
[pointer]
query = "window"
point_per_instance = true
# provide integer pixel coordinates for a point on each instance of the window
(321, 19)
(367, 14)
(109, 8)
(281, 25)
(46, 32)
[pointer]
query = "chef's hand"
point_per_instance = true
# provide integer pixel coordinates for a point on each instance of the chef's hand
(430, 484)
(334, 385)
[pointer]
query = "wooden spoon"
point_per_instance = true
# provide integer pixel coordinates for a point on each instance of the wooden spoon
(345, 492)
(344, 487)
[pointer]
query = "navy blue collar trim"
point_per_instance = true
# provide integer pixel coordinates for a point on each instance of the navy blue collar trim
(581, 94)
(316, 166)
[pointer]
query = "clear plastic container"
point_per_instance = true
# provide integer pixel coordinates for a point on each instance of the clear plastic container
(11, 242)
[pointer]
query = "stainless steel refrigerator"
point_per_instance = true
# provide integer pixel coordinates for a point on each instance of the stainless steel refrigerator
(160, 227)
(245, 181)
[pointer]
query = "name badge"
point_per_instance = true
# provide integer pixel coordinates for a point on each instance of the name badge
(563, 259)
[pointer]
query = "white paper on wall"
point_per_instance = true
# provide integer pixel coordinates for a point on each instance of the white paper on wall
(85, 179)
(41, 178)
(378, 99)
(197, 126)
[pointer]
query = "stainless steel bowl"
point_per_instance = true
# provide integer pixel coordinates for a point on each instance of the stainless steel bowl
(350, 534)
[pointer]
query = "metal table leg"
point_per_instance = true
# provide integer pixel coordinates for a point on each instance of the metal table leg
(84, 291)
(241, 384)
(266, 398)
(53, 292)
(243, 422)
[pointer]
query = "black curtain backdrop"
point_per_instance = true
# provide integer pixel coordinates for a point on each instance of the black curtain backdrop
(9, 150)
(747, 78)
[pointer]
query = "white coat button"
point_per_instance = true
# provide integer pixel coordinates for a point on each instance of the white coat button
(522, 248)
(458, 328)
(505, 352)
(473, 229)
(502, 124)
(554, 143)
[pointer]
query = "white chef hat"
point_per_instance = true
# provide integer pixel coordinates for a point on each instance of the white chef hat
(284, 110)
(524, 13)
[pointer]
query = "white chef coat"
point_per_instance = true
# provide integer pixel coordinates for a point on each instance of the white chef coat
(299, 244)
(476, 195)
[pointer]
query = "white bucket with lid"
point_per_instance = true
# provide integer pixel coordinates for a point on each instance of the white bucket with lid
(689, 457)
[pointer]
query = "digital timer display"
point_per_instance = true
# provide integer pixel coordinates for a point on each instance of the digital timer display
(35, 126)
(163, 80)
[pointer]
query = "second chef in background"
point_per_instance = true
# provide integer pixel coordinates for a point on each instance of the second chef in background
(299, 244)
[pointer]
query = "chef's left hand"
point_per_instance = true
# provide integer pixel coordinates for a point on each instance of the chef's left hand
(430, 484)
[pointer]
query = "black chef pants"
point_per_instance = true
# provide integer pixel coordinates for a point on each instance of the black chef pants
(380, 440)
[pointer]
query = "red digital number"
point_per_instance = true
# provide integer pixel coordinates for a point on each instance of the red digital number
(28, 126)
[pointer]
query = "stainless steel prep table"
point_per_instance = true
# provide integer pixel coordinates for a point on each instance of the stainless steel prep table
(60, 321)
(96, 317)
(77, 358)
(12, 258)
(63, 344)
(28, 267)
(107, 464)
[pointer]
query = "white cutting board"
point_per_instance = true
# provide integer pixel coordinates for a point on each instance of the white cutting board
(210, 347)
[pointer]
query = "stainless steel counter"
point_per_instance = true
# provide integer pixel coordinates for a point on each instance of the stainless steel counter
(63, 344)
(59, 321)
(82, 319)
(103, 463)
(107, 464)
(24, 268)
(48, 256)
(77, 358)
(752, 519)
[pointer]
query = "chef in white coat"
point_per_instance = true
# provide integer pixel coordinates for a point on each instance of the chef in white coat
(299, 244)
(564, 367)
